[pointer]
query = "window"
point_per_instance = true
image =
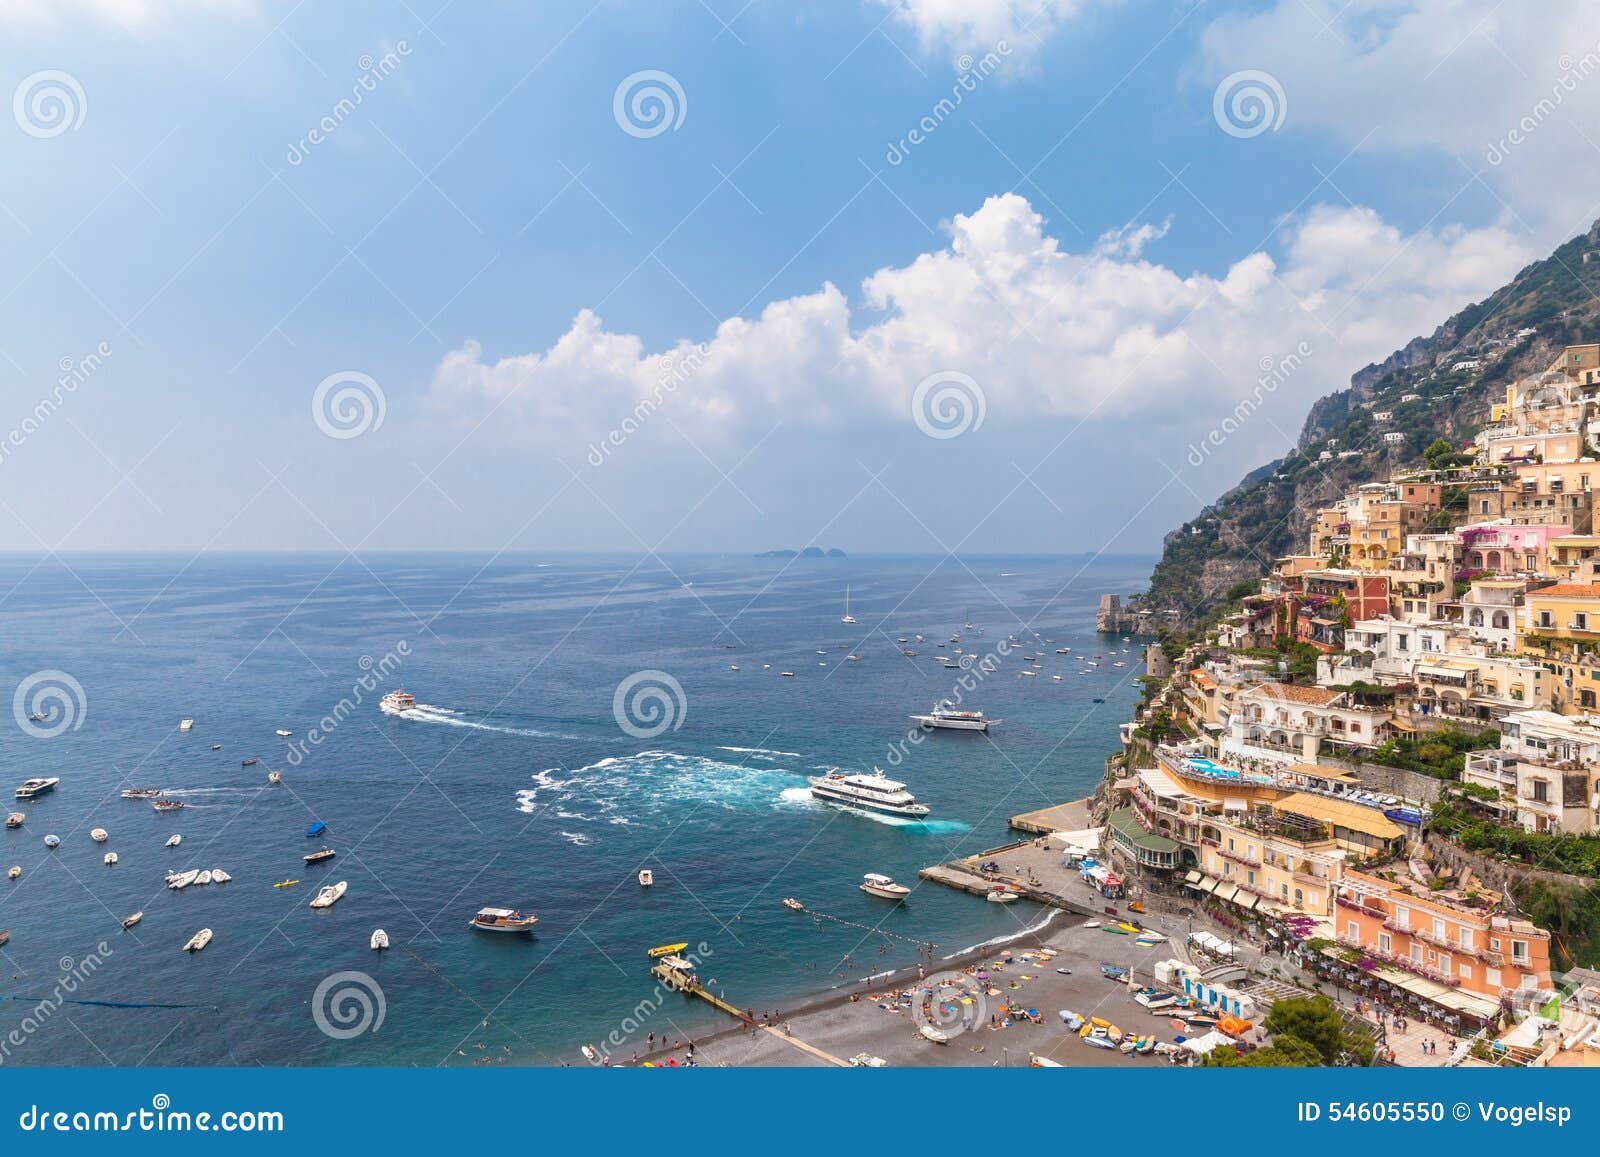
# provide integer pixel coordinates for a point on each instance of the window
(1541, 788)
(1416, 953)
(1438, 928)
(1250, 878)
(1491, 977)
(1402, 917)
(1466, 970)
(1466, 939)
(1385, 945)
(1519, 951)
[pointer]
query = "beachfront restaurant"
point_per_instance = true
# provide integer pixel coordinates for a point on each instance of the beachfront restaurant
(1146, 849)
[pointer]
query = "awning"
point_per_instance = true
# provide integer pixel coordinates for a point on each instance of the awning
(1227, 891)
(1192, 878)
(1247, 900)
(1207, 884)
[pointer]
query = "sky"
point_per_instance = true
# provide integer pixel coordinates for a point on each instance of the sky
(909, 276)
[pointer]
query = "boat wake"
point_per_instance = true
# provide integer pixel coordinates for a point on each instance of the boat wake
(631, 789)
(802, 797)
(765, 753)
(427, 713)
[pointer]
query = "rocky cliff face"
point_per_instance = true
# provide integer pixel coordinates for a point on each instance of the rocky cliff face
(1233, 541)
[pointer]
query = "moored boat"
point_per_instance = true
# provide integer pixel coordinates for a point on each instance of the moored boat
(380, 940)
(198, 941)
(14, 820)
(503, 920)
(130, 921)
(174, 840)
(284, 732)
(331, 895)
(935, 1035)
(52, 841)
(274, 777)
(884, 887)
(218, 876)
(186, 724)
(14, 872)
(319, 855)
(178, 881)
(111, 859)
(793, 905)
(40, 785)
(248, 762)
(203, 877)
(99, 835)
(646, 877)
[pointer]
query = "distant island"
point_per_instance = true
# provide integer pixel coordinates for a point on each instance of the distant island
(808, 552)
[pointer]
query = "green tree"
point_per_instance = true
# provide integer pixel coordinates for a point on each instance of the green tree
(1312, 1020)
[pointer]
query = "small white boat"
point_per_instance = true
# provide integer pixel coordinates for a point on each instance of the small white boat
(646, 877)
(186, 724)
(218, 876)
(203, 877)
(330, 895)
(274, 777)
(935, 1035)
(14, 820)
(15, 872)
(198, 941)
(590, 1054)
(216, 747)
(733, 666)
(99, 835)
(52, 841)
(182, 880)
(1099, 1042)
(876, 884)
(111, 859)
(130, 921)
(787, 674)
(174, 841)
(285, 732)
(793, 905)
(867, 1061)
(1001, 896)
(380, 940)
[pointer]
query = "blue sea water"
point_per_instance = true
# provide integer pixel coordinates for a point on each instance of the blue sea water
(514, 785)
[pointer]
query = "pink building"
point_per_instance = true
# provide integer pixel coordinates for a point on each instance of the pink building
(1505, 548)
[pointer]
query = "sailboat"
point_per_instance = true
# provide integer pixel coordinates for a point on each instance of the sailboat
(847, 617)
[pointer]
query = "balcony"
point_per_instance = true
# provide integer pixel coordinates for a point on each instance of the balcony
(1239, 858)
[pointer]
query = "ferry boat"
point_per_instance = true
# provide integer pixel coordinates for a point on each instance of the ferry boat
(875, 792)
(397, 702)
(884, 887)
(140, 792)
(950, 719)
(503, 920)
(33, 788)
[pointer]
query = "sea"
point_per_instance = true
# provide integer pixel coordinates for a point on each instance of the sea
(580, 718)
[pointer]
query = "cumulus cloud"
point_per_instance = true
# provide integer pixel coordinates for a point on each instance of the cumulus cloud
(1047, 334)
(976, 26)
(128, 14)
(1471, 81)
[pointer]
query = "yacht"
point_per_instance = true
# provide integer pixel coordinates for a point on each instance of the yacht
(186, 724)
(37, 787)
(140, 792)
(875, 792)
(503, 920)
(330, 895)
(950, 719)
(397, 702)
(847, 617)
(875, 884)
(14, 820)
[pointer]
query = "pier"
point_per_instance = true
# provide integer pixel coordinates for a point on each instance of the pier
(1032, 871)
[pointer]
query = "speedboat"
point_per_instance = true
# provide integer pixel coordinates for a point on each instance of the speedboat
(793, 905)
(14, 820)
(185, 724)
(37, 787)
(130, 921)
(198, 941)
(646, 877)
(285, 732)
(319, 855)
(876, 884)
(99, 835)
(167, 805)
(330, 895)
(503, 920)
(140, 792)
(181, 880)
(1001, 896)
(52, 841)
(174, 840)
(380, 940)
(111, 859)
(397, 702)
(218, 876)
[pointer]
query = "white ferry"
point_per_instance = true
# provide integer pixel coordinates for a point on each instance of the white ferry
(36, 787)
(399, 702)
(945, 717)
(875, 792)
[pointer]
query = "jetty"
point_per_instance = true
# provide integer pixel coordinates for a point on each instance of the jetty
(1028, 867)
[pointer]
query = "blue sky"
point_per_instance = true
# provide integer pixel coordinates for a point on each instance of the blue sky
(1083, 249)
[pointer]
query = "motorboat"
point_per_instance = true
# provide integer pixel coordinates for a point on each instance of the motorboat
(99, 835)
(874, 793)
(884, 887)
(32, 788)
(186, 724)
(733, 666)
(380, 940)
(14, 820)
(130, 921)
(203, 877)
(284, 732)
(503, 920)
(316, 829)
(216, 747)
(397, 702)
(198, 941)
(787, 674)
(5, 937)
(274, 777)
(14, 872)
(646, 877)
(181, 880)
(167, 805)
(793, 905)
(174, 840)
(248, 762)
(218, 876)
(52, 841)
(331, 895)
(1001, 896)
(111, 859)
(319, 855)
(140, 792)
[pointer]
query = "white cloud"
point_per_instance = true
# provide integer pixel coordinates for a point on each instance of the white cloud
(977, 26)
(128, 14)
(1048, 335)
(1453, 77)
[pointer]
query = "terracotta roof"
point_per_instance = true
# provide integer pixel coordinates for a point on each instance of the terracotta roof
(1296, 693)
(1341, 813)
(1567, 591)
